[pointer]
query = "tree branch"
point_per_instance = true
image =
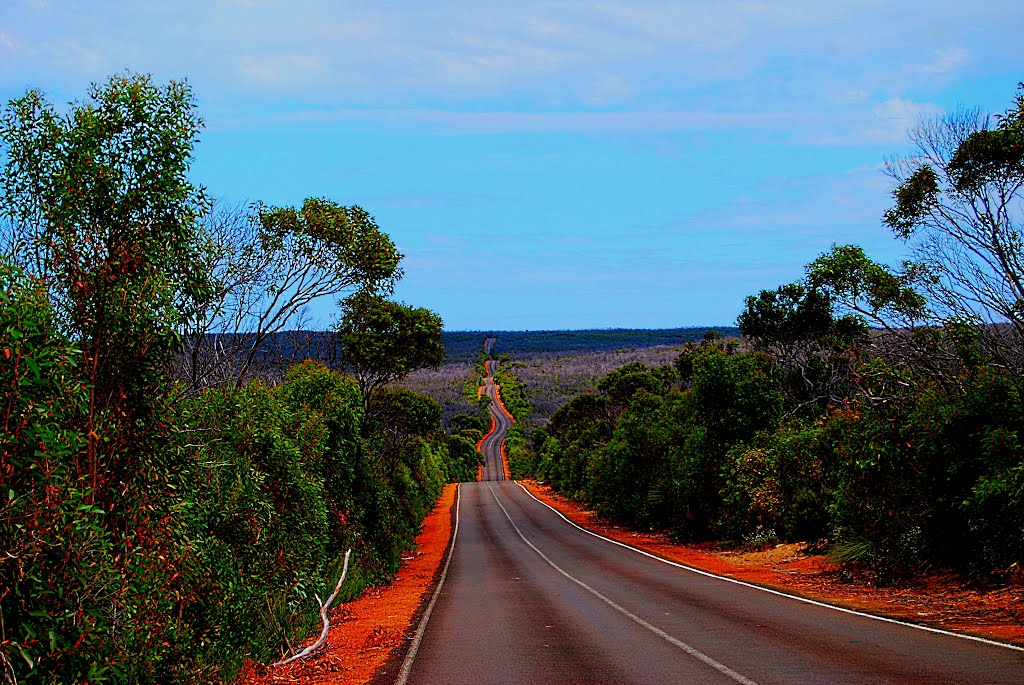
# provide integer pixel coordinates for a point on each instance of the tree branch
(323, 617)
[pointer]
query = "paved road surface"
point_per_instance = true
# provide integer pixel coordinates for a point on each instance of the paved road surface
(527, 597)
(491, 446)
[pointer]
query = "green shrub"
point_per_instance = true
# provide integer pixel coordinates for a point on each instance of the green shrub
(933, 477)
(55, 569)
(782, 482)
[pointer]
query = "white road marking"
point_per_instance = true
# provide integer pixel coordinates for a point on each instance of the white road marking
(403, 675)
(797, 598)
(697, 654)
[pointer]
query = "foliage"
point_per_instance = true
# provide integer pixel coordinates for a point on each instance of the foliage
(792, 314)
(104, 215)
(382, 341)
(652, 456)
(795, 323)
(931, 478)
(624, 383)
(846, 276)
(957, 201)
(52, 602)
(151, 536)
(109, 221)
(781, 483)
(512, 390)
(100, 196)
(401, 418)
(267, 265)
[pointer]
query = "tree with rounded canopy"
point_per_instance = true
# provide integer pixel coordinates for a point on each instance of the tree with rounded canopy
(795, 323)
(269, 265)
(383, 341)
(846, 277)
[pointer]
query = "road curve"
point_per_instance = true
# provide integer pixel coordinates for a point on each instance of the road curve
(527, 597)
(490, 446)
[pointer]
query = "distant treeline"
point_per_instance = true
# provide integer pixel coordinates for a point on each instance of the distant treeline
(461, 346)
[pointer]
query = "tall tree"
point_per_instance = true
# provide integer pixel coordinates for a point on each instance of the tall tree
(958, 207)
(268, 264)
(383, 341)
(103, 213)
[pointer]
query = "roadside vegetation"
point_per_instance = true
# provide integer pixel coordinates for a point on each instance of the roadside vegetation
(167, 508)
(875, 411)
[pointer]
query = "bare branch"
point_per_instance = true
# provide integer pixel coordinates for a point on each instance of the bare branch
(324, 606)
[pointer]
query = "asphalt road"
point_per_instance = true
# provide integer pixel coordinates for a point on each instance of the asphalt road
(491, 446)
(529, 598)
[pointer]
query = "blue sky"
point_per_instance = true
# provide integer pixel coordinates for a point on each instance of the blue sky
(553, 164)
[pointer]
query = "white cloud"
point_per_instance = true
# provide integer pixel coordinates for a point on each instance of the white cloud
(534, 64)
(895, 116)
(281, 70)
(947, 61)
(869, 123)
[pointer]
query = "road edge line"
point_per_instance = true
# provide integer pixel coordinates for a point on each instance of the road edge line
(421, 629)
(671, 639)
(798, 598)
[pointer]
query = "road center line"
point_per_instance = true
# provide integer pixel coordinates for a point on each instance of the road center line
(797, 598)
(403, 675)
(697, 654)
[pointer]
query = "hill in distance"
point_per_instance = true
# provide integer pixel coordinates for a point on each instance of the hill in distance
(465, 345)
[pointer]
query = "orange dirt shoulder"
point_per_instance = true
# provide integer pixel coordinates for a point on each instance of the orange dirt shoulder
(937, 600)
(365, 632)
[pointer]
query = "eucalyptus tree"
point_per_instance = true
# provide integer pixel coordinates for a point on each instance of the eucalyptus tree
(268, 264)
(383, 341)
(958, 208)
(100, 210)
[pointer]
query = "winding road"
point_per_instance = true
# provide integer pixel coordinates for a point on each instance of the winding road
(526, 596)
(490, 446)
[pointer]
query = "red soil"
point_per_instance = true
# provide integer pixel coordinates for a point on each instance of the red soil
(494, 425)
(366, 631)
(938, 600)
(504, 452)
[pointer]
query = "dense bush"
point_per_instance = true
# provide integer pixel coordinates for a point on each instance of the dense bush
(780, 485)
(261, 492)
(653, 454)
(150, 535)
(55, 569)
(917, 471)
(934, 476)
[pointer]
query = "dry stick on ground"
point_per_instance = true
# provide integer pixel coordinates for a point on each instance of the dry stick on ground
(324, 606)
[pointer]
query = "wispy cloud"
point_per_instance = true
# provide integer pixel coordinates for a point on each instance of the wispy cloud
(509, 121)
(946, 61)
(874, 123)
(281, 70)
(536, 53)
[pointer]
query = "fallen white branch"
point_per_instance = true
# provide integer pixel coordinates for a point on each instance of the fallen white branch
(324, 606)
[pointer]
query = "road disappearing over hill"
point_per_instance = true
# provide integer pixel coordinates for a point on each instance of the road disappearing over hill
(494, 467)
(526, 596)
